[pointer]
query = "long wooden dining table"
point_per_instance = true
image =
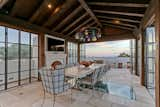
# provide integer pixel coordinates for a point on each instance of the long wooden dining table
(78, 72)
(81, 71)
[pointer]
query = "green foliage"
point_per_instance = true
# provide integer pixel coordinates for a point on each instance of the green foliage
(13, 51)
(123, 55)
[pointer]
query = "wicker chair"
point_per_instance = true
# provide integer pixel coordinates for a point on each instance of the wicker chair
(53, 82)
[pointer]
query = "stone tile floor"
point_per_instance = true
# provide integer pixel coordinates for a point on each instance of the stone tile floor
(31, 95)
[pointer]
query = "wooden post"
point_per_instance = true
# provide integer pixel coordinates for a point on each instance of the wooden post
(78, 51)
(136, 57)
(142, 59)
(41, 50)
(41, 53)
(66, 51)
(157, 69)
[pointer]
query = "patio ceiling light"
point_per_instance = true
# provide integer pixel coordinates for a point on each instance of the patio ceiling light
(117, 21)
(49, 6)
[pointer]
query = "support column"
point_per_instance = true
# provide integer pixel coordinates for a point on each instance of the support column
(157, 69)
(142, 59)
(41, 53)
(78, 51)
(66, 51)
(136, 57)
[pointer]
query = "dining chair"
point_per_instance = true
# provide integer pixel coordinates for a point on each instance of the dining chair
(91, 80)
(53, 82)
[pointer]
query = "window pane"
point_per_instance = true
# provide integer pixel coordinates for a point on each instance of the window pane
(2, 34)
(24, 37)
(13, 35)
(2, 72)
(34, 63)
(24, 64)
(2, 51)
(12, 73)
(25, 77)
(34, 39)
(12, 80)
(34, 51)
(12, 51)
(34, 74)
(25, 51)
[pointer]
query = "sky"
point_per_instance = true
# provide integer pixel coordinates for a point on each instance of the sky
(107, 49)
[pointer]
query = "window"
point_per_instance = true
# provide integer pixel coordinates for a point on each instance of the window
(18, 57)
(150, 60)
(2, 58)
(72, 53)
(82, 52)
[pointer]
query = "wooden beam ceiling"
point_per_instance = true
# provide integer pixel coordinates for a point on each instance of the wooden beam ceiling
(70, 16)
(149, 15)
(85, 6)
(123, 24)
(73, 23)
(6, 20)
(120, 19)
(80, 26)
(119, 13)
(37, 12)
(13, 8)
(116, 26)
(119, 4)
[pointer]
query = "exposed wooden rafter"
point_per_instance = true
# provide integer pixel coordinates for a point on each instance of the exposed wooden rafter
(73, 23)
(37, 12)
(149, 15)
(119, 13)
(121, 19)
(119, 4)
(91, 24)
(9, 21)
(80, 26)
(70, 16)
(85, 6)
(123, 24)
(13, 12)
(116, 26)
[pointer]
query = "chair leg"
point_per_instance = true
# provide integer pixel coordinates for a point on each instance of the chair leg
(44, 97)
(71, 95)
(54, 99)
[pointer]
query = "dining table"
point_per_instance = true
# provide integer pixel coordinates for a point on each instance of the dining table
(77, 72)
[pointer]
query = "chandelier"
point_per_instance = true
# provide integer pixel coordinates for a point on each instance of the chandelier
(88, 34)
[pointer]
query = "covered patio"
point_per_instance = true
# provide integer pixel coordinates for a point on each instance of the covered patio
(39, 36)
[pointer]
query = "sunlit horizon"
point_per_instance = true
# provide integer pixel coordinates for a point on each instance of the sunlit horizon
(107, 49)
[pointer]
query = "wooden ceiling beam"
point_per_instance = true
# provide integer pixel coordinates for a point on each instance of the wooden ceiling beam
(91, 24)
(116, 26)
(13, 12)
(121, 19)
(73, 23)
(12, 22)
(69, 17)
(123, 24)
(149, 15)
(38, 11)
(80, 26)
(119, 4)
(119, 13)
(85, 6)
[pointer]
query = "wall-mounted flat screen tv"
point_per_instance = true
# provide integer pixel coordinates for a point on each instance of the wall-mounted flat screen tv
(55, 44)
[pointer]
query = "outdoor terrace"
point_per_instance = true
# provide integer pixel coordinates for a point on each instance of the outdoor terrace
(31, 95)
